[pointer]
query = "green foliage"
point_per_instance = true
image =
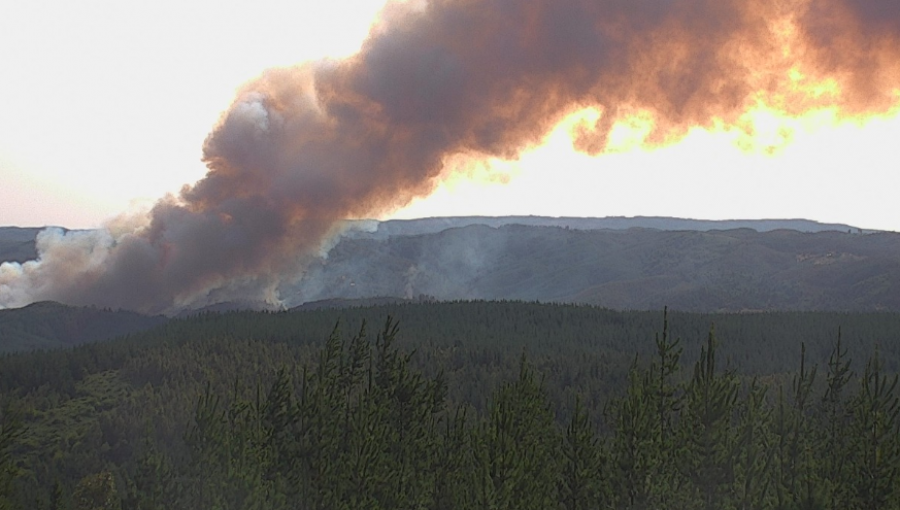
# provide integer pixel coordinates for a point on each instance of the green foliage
(515, 448)
(707, 429)
(876, 439)
(754, 451)
(582, 484)
(10, 431)
(96, 492)
(836, 470)
(49, 325)
(248, 411)
(633, 451)
(797, 484)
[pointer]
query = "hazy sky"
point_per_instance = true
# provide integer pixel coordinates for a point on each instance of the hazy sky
(104, 107)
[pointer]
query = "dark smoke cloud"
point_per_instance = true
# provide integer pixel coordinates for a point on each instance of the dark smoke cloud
(303, 148)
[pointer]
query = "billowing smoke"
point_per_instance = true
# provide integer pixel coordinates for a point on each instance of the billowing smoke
(303, 148)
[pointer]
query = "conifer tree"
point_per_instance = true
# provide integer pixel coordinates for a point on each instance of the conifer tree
(876, 433)
(632, 450)
(754, 451)
(668, 399)
(797, 484)
(583, 483)
(515, 449)
(707, 430)
(205, 439)
(412, 409)
(151, 487)
(10, 430)
(836, 415)
(452, 467)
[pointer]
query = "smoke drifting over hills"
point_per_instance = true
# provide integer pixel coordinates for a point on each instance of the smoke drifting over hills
(302, 148)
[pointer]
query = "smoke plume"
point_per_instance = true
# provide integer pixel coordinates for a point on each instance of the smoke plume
(303, 148)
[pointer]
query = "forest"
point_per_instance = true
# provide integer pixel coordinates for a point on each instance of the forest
(458, 405)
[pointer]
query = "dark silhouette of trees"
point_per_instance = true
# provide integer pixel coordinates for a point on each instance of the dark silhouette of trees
(251, 411)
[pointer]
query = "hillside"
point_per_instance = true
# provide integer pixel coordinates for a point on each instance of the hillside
(389, 228)
(642, 263)
(769, 340)
(17, 243)
(637, 268)
(49, 325)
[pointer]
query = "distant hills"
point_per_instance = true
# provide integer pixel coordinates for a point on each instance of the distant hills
(642, 263)
(622, 263)
(49, 325)
(389, 228)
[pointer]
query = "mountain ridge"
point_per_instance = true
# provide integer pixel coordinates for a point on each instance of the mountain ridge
(386, 228)
(52, 325)
(713, 270)
(640, 263)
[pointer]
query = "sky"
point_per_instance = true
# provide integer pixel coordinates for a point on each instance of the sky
(105, 106)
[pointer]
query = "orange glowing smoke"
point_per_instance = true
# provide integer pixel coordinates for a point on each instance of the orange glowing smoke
(303, 148)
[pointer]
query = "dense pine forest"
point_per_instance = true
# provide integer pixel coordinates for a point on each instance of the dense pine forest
(487, 405)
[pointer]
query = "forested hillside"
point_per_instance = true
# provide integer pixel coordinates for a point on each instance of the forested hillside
(18, 244)
(620, 263)
(643, 269)
(48, 325)
(460, 405)
(418, 226)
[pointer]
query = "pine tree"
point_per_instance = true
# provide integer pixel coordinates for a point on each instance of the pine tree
(206, 438)
(582, 484)
(515, 449)
(451, 464)
(633, 448)
(412, 408)
(797, 483)
(836, 415)
(11, 429)
(665, 481)
(707, 430)
(668, 401)
(152, 485)
(754, 451)
(876, 433)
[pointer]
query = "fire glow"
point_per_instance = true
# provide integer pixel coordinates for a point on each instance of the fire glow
(303, 148)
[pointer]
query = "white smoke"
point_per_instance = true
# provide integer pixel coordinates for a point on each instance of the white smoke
(61, 255)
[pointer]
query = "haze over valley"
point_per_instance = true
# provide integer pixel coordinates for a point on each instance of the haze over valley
(620, 263)
(699, 109)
